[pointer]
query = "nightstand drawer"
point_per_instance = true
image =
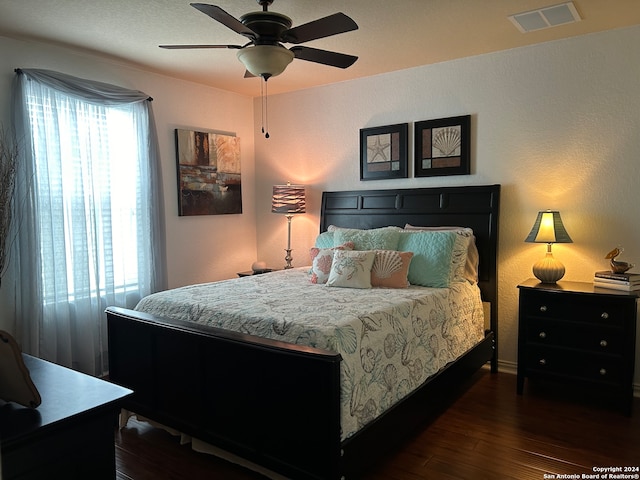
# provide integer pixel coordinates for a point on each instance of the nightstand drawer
(578, 366)
(582, 336)
(576, 308)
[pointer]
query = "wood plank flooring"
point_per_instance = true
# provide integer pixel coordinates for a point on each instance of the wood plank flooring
(489, 433)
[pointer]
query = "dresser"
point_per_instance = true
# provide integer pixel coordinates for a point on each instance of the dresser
(577, 333)
(70, 435)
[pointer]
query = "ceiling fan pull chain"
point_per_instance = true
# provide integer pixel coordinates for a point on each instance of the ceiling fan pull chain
(263, 105)
(266, 108)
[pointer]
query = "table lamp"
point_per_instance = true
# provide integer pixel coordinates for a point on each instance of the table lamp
(289, 200)
(548, 228)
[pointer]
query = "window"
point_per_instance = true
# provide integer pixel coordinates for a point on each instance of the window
(93, 223)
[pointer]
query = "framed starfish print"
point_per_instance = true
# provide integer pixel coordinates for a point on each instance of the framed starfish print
(383, 152)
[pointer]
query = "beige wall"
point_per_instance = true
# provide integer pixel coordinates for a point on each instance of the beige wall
(558, 125)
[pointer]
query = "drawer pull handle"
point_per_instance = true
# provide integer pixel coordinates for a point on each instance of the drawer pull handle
(542, 361)
(603, 343)
(543, 308)
(542, 335)
(603, 371)
(604, 315)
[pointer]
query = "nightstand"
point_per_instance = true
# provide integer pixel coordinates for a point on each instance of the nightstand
(577, 333)
(248, 273)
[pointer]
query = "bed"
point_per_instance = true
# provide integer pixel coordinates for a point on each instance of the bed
(281, 405)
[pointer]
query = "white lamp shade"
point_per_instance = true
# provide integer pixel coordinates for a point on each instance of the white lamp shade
(265, 60)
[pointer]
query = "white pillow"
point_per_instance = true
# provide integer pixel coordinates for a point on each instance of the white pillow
(351, 268)
(321, 260)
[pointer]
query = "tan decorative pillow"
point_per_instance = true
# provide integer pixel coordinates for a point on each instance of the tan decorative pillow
(321, 260)
(390, 269)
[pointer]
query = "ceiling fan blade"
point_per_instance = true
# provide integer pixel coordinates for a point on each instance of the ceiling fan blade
(226, 19)
(325, 57)
(178, 47)
(323, 27)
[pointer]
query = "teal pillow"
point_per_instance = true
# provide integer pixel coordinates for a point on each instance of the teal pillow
(385, 238)
(432, 263)
(324, 240)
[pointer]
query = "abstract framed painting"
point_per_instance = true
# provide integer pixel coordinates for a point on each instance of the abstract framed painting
(209, 181)
(442, 147)
(383, 152)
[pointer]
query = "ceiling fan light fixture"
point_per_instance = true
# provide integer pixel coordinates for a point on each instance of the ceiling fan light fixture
(265, 60)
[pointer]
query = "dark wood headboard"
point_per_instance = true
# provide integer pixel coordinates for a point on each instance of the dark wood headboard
(476, 207)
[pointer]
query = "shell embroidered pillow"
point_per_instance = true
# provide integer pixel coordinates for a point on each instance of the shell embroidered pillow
(321, 260)
(351, 269)
(390, 269)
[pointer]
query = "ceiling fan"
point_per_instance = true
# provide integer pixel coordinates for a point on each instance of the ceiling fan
(264, 55)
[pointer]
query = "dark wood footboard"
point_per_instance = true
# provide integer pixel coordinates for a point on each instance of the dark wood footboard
(272, 403)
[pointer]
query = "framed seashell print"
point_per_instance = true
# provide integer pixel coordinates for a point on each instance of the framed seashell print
(383, 152)
(442, 147)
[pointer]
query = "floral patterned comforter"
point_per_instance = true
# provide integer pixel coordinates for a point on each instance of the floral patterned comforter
(391, 340)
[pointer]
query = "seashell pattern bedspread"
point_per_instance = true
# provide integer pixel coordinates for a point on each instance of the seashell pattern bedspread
(391, 340)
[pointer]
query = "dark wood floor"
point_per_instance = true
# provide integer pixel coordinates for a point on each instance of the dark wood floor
(488, 433)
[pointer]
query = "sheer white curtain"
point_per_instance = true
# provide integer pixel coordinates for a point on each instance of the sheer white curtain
(91, 232)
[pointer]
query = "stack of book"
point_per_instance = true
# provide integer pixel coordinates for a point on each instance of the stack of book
(617, 281)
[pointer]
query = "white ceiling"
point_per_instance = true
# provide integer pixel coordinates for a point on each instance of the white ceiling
(392, 34)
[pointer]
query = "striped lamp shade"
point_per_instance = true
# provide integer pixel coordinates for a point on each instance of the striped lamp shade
(288, 199)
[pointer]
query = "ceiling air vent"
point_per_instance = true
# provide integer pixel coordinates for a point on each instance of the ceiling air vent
(546, 17)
